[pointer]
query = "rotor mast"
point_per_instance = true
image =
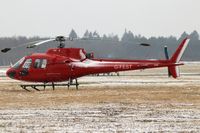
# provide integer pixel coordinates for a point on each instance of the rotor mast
(61, 40)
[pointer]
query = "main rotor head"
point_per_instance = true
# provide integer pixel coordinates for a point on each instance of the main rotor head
(61, 40)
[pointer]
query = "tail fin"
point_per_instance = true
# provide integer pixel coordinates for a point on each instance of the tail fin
(175, 59)
(180, 50)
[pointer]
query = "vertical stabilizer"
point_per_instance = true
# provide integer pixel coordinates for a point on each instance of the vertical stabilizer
(175, 59)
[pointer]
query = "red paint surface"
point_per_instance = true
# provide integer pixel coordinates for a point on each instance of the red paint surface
(65, 63)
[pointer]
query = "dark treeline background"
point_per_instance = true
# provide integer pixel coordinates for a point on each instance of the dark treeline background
(107, 46)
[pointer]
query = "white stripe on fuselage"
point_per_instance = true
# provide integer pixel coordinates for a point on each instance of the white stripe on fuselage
(91, 63)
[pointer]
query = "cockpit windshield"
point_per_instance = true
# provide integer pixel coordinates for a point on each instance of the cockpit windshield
(16, 65)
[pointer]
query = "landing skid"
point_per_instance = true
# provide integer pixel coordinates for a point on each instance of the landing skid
(34, 86)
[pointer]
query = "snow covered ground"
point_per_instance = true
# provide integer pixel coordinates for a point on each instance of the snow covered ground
(102, 118)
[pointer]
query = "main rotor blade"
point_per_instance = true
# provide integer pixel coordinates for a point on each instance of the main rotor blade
(145, 44)
(5, 50)
(40, 43)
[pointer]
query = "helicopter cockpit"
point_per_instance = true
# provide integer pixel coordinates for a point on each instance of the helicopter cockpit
(38, 63)
(22, 67)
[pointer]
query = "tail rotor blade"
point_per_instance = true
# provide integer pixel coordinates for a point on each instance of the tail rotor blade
(167, 58)
(166, 52)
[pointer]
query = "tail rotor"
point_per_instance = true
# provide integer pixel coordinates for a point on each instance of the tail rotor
(167, 58)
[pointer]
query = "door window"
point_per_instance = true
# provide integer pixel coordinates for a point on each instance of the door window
(44, 63)
(40, 63)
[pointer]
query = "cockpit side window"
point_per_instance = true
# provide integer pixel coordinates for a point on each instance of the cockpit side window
(27, 64)
(40, 63)
(17, 65)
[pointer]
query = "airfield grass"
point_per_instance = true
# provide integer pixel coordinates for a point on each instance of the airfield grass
(15, 97)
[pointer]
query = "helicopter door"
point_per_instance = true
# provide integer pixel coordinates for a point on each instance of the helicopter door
(39, 69)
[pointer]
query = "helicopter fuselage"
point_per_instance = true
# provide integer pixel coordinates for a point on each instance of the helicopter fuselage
(57, 65)
(63, 64)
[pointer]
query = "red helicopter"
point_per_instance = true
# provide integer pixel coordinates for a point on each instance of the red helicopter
(67, 64)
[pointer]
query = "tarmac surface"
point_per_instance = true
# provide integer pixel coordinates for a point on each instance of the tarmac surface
(135, 101)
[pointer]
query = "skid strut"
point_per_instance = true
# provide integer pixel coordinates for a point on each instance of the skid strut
(34, 86)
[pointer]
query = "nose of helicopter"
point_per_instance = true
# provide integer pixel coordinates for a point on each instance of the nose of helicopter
(11, 73)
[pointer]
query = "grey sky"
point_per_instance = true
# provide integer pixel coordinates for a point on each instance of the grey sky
(58, 17)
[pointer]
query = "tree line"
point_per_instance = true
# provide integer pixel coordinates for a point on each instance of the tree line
(107, 46)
